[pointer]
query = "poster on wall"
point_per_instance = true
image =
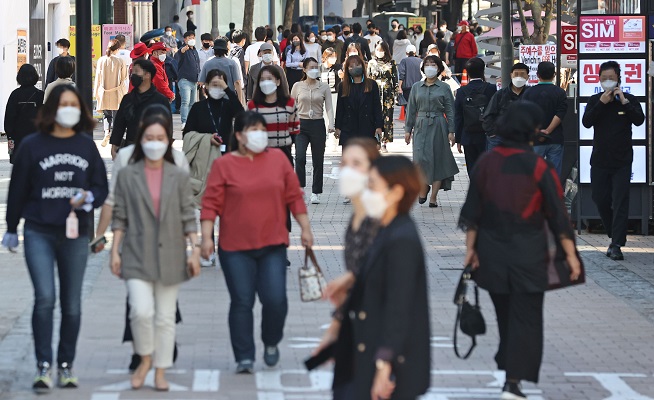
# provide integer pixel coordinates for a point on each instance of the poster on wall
(21, 48)
(569, 46)
(534, 54)
(615, 34)
(96, 44)
(632, 74)
(637, 132)
(36, 47)
(110, 31)
(638, 166)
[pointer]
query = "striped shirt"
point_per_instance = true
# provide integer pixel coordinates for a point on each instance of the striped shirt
(281, 122)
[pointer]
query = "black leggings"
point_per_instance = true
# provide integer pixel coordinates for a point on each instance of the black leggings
(314, 133)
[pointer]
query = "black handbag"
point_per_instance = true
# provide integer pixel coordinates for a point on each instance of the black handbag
(468, 316)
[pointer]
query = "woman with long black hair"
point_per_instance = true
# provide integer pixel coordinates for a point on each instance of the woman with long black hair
(58, 178)
(294, 57)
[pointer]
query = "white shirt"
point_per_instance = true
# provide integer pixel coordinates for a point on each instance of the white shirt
(373, 40)
(204, 55)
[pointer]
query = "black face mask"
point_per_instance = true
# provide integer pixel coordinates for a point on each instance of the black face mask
(296, 43)
(356, 71)
(136, 80)
(345, 33)
(206, 45)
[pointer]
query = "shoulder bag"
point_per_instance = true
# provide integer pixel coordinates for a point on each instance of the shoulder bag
(312, 280)
(468, 316)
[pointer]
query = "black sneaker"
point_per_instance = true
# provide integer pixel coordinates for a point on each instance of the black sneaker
(512, 391)
(43, 380)
(65, 378)
(271, 355)
(616, 253)
(136, 361)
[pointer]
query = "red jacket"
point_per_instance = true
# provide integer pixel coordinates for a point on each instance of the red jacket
(160, 80)
(465, 45)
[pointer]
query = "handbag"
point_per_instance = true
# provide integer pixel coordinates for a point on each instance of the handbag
(312, 280)
(468, 316)
(401, 101)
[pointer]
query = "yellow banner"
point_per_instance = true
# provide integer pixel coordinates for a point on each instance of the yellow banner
(414, 21)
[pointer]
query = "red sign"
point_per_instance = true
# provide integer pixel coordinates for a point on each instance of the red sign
(569, 39)
(624, 34)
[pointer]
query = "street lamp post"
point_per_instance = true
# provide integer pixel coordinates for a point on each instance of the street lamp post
(507, 43)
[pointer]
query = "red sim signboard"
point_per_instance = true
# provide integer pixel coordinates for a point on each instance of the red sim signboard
(569, 46)
(615, 34)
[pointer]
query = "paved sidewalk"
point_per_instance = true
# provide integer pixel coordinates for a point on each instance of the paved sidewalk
(598, 337)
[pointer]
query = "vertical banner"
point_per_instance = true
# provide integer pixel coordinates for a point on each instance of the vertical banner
(96, 43)
(21, 48)
(569, 46)
(36, 47)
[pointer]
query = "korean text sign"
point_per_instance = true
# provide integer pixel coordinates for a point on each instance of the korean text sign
(632, 74)
(615, 34)
(534, 54)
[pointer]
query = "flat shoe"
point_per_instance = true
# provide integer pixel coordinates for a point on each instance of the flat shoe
(433, 205)
(422, 200)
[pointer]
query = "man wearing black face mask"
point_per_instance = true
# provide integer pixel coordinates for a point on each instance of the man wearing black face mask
(129, 113)
(357, 38)
(392, 34)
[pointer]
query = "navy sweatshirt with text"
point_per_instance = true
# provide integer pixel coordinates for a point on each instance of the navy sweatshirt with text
(47, 172)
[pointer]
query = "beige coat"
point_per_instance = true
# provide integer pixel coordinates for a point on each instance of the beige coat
(154, 250)
(201, 154)
(109, 89)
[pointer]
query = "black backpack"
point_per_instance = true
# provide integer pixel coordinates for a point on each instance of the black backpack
(473, 109)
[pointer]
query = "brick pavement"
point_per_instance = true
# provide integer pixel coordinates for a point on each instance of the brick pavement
(592, 332)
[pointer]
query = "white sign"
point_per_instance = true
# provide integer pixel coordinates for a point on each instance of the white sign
(534, 54)
(637, 132)
(632, 74)
(638, 166)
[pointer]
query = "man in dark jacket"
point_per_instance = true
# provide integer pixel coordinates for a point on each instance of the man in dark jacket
(357, 38)
(611, 114)
(554, 103)
(501, 101)
(188, 71)
(469, 106)
(129, 113)
(62, 49)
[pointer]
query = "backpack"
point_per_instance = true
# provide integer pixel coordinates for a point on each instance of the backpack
(473, 109)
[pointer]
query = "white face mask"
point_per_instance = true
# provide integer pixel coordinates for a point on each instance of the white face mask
(68, 117)
(162, 57)
(323, 38)
(518, 81)
(379, 54)
(312, 39)
(331, 60)
(60, 50)
(609, 85)
(267, 58)
(191, 42)
(431, 72)
(374, 203)
(154, 150)
(313, 73)
(351, 182)
(257, 141)
(169, 33)
(216, 93)
(353, 54)
(331, 38)
(268, 87)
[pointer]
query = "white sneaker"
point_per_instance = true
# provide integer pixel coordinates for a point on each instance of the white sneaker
(206, 263)
(183, 125)
(315, 198)
(347, 200)
(212, 259)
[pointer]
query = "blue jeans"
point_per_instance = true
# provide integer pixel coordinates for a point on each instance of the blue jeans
(492, 142)
(188, 90)
(248, 273)
(42, 249)
(552, 153)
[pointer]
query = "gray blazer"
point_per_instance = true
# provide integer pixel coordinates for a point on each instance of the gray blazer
(154, 250)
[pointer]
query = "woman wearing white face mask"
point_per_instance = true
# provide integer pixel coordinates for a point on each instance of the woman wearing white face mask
(57, 179)
(358, 155)
(153, 203)
(430, 123)
(250, 189)
(278, 108)
(313, 99)
(383, 70)
(312, 46)
(389, 336)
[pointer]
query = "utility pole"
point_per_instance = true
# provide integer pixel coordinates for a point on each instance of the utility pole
(214, 18)
(83, 50)
(507, 43)
(470, 10)
(321, 14)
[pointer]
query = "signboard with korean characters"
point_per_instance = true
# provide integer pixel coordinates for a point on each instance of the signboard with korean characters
(632, 71)
(534, 54)
(637, 132)
(638, 166)
(612, 34)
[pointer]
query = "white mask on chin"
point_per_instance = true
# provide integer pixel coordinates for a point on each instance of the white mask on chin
(374, 203)
(154, 150)
(351, 182)
(257, 141)
(68, 117)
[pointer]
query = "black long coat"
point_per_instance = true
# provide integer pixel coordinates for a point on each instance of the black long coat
(387, 316)
(359, 114)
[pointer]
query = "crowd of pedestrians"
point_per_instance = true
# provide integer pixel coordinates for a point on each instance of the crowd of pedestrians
(244, 107)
